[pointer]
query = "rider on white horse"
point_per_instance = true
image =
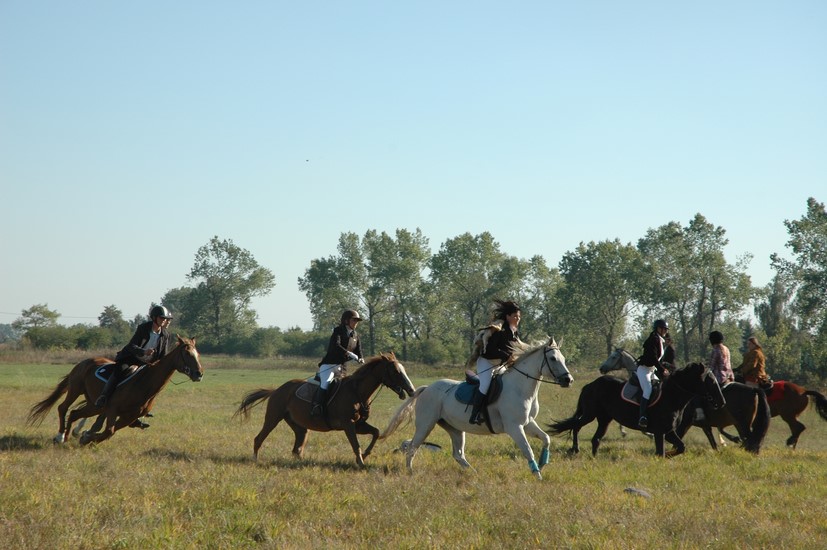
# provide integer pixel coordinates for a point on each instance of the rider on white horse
(496, 348)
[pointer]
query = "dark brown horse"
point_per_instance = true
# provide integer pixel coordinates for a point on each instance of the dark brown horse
(127, 404)
(602, 400)
(788, 401)
(746, 408)
(347, 410)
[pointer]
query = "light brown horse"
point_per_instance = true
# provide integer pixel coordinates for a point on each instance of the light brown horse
(127, 403)
(347, 409)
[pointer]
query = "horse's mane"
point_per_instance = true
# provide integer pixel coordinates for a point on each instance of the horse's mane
(522, 349)
(363, 370)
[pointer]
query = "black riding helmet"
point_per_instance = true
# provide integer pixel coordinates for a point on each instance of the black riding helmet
(349, 314)
(660, 323)
(159, 311)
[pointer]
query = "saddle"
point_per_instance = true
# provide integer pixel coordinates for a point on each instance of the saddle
(104, 372)
(465, 391)
(633, 393)
(307, 391)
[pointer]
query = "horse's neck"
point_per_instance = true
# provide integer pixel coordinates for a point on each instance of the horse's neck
(366, 385)
(527, 377)
(161, 372)
(678, 394)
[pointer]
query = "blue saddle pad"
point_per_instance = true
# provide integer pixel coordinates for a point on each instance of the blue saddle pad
(465, 391)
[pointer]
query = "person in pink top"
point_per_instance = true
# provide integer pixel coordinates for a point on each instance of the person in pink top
(719, 362)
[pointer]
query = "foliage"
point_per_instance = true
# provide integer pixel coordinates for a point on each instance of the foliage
(37, 316)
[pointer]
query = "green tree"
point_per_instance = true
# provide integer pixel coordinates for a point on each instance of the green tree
(468, 273)
(37, 316)
(693, 283)
(601, 282)
(227, 278)
(808, 270)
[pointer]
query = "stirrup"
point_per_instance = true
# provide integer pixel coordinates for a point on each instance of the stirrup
(643, 422)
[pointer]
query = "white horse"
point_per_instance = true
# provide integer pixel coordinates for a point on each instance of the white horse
(514, 412)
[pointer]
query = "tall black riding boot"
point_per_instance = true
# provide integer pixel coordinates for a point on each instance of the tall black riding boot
(477, 416)
(108, 390)
(319, 401)
(643, 422)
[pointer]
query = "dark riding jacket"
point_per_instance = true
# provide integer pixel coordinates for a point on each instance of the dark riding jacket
(652, 352)
(132, 352)
(341, 343)
(501, 344)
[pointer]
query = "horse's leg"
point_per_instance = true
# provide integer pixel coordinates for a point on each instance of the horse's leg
(457, 443)
(425, 423)
(301, 438)
(710, 436)
(271, 419)
(796, 428)
(678, 446)
(364, 428)
(113, 424)
(517, 433)
(76, 431)
(659, 448)
(63, 430)
(534, 430)
(602, 427)
(350, 432)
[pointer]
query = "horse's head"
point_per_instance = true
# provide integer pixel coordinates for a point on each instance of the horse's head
(554, 360)
(394, 375)
(618, 359)
(702, 381)
(190, 363)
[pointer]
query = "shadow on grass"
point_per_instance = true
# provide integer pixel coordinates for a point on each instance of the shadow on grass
(22, 443)
(287, 463)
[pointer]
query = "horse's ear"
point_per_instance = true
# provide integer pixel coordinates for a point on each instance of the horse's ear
(180, 340)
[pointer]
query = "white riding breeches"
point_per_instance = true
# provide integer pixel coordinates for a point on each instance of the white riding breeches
(327, 373)
(485, 371)
(646, 375)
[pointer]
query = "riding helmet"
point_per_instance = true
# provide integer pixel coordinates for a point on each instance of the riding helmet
(660, 323)
(159, 311)
(349, 314)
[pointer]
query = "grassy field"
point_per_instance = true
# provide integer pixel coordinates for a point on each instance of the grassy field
(189, 481)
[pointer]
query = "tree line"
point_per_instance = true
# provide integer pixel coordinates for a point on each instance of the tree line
(427, 306)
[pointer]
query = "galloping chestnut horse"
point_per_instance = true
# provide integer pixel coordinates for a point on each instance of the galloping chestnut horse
(347, 410)
(127, 403)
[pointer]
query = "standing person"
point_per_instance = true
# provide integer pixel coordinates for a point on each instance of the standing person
(149, 343)
(752, 367)
(496, 350)
(719, 362)
(344, 346)
(651, 359)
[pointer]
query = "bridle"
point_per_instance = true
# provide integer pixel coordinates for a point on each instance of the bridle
(545, 364)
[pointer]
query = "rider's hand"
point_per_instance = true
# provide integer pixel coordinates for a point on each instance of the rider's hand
(361, 361)
(352, 356)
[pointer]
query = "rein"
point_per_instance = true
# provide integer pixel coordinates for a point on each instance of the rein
(546, 363)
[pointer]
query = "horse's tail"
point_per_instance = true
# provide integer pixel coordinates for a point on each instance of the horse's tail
(38, 412)
(821, 402)
(251, 400)
(760, 424)
(403, 414)
(564, 426)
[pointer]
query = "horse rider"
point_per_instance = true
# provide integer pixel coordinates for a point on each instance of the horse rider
(497, 349)
(653, 349)
(344, 346)
(149, 343)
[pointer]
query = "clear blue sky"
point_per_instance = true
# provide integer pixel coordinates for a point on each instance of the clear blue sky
(133, 132)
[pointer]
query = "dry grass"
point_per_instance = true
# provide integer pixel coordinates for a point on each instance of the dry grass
(189, 482)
